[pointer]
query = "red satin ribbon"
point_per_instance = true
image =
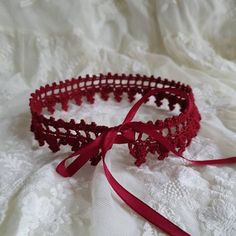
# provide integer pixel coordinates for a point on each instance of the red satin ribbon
(124, 133)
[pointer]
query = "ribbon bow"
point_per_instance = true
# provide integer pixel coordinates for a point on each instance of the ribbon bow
(124, 133)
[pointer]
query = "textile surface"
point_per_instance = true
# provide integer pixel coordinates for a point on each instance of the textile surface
(50, 40)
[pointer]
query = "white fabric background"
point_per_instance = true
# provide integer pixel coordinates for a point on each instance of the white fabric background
(49, 40)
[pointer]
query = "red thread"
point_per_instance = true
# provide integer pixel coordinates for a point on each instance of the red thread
(171, 135)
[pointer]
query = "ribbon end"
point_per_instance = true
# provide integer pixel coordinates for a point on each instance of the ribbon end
(61, 170)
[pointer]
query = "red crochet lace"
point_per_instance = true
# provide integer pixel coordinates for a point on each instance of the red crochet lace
(91, 141)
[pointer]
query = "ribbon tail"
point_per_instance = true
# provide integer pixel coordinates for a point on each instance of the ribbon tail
(83, 155)
(149, 130)
(142, 100)
(228, 160)
(142, 208)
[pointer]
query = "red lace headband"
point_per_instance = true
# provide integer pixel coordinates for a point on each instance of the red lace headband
(91, 141)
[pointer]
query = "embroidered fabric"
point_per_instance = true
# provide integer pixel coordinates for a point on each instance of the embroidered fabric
(104, 36)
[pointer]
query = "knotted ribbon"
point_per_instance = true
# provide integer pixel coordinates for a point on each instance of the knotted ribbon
(124, 133)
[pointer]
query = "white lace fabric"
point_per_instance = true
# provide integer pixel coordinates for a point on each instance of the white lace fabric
(51, 40)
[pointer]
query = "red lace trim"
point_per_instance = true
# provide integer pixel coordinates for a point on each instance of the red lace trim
(178, 129)
(91, 141)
